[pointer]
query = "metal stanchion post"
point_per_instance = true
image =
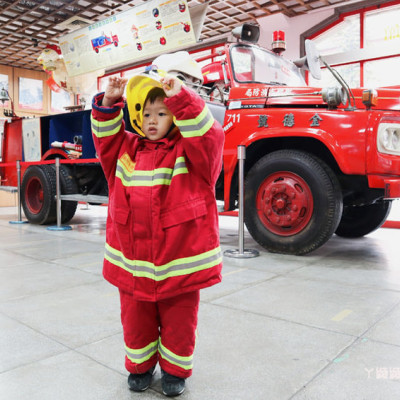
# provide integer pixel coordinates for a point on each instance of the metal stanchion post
(19, 195)
(58, 192)
(241, 252)
(58, 227)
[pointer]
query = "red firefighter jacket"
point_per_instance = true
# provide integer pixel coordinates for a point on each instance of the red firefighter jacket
(162, 235)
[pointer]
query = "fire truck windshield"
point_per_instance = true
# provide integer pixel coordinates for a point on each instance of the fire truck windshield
(254, 64)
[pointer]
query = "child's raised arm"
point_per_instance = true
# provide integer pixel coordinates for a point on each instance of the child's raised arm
(114, 91)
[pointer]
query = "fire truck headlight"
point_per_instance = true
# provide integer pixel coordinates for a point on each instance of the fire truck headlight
(396, 139)
(388, 139)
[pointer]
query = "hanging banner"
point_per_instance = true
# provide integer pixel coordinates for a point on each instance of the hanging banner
(152, 28)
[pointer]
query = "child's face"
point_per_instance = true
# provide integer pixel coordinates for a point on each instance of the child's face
(157, 119)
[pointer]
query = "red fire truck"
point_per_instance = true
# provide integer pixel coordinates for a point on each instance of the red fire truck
(103, 41)
(319, 161)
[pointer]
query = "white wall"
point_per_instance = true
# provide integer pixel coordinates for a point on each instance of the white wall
(293, 28)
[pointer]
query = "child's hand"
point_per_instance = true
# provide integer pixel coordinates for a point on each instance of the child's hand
(171, 85)
(114, 91)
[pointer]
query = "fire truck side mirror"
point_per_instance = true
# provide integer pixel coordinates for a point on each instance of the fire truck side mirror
(247, 32)
(311, 60)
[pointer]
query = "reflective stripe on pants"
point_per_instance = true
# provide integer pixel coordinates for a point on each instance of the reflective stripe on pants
(163, 331)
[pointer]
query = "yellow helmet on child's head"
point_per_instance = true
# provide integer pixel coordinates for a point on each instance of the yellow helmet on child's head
(137, 91)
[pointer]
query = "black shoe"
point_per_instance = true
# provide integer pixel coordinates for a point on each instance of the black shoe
(172, 385)
(140, 382)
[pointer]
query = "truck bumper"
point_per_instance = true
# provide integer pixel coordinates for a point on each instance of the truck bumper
(391, 185)
(392, 188)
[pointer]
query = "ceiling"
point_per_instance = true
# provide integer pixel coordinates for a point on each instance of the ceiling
(27, 26)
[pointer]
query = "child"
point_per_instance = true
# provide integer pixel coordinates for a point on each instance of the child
(162, 240)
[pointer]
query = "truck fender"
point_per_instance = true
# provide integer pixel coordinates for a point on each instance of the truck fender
(52, 153)
(350, 165)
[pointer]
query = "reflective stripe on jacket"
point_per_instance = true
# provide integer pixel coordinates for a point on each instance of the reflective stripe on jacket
(162, 226)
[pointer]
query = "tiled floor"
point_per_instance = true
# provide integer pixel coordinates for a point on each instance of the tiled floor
(322, 326)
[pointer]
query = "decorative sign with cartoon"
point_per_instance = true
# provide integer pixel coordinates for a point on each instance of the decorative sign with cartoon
(148, 29)
(53, 63)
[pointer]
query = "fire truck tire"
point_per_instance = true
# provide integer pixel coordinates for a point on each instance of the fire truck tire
(37, 194)
(38, 191)
(293, 202)
(359, 221)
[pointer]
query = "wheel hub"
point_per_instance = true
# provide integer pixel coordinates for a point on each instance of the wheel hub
(34, 195)
(284, 203)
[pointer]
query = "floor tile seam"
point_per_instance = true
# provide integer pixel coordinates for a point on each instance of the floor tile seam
(76, 235)
(36, 330)
(16, 265)
(338, 283)
(100, 279)
(73, 269)
(99, 362)
(67, 350)
(329, 363)
(52, 263)
(118, 332)
(287, 275)
(52, 237)
(381, 342)
(283, 273)
(285, 320)
(240, 289)
(358, 340)
(56, 354)
(72, 234)
(99, 272)
(65, 347)
(381, 318)
(27, 254)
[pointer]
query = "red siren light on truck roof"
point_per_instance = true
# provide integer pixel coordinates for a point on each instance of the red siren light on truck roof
(278, 42)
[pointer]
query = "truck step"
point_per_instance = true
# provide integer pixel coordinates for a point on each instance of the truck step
(90, 198)
(12, 189)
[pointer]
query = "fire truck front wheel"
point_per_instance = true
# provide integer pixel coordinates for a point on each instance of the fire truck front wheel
(361, 220)
(293, 202)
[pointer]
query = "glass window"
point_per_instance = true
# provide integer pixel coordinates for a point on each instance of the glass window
(350, 73)
(383, 72)
(257, 65)
(30, 93)
(343, 37)
(382, 27)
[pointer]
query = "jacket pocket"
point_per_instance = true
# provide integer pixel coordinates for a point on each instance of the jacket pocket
(123, 227)
(183, 212)
(121, 216)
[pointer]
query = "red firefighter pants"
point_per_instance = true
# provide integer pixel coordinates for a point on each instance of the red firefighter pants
(163, 331)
